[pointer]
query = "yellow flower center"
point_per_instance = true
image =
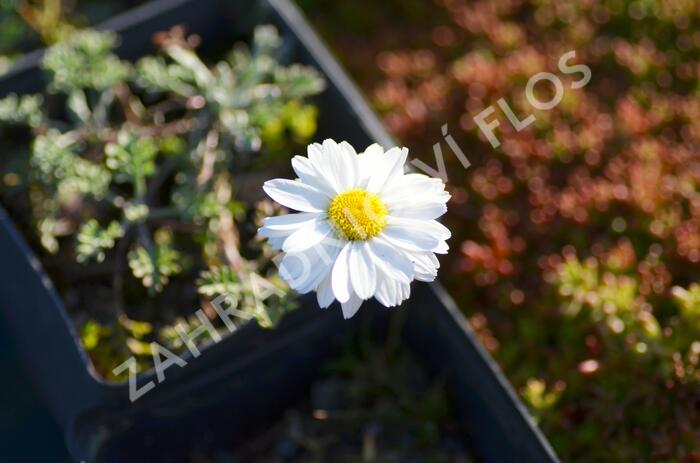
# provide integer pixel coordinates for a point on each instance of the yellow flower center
(357, 215)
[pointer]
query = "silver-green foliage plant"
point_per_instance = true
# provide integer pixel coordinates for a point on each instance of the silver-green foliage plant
(140, 171)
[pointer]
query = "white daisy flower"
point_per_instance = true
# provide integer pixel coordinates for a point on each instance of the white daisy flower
(364, 227)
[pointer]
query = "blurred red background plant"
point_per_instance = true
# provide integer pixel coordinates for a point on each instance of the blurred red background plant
(580, 235)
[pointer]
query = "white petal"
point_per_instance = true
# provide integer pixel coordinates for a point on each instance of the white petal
(404, 291)
(348, 148)
(276, 242)
(343, 164)
(434, 260)
(414, 235)
(389, 167)
(314, 280)
(324, 292)
(287, 222)
(425, 266)
(363, 273)
(445, 232)
(322, 164)
(416, 196)
(414, 188)
(277, 229)
(294, 268)
(304, 271)
(423, 211)
(391, 293)
(375, 149)
(341, 277)
(351, 307)
(433, 226)
(296, 195)
(307, 236)
(382, 295)
(308, 174)
(421, 198)
(441, 248)
(394, 263)
(385, 293)
(369, 159)
(314, 152)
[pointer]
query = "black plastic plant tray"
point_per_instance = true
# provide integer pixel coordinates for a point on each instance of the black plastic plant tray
(24, 420)
(240, 385)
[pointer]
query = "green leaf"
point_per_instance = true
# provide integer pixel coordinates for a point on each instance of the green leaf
(132, 158)
(266, 40)
(57, 165)
(144, 264)
(254, 296)
(189, 61)
(92, 334)
(219, 280)
(297, 81)
(78, 106)
(93, 240)
(85, 61)
(153, 73)
(248, 92)
(136, 329)
(22, 110)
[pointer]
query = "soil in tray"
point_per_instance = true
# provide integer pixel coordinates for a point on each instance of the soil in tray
(372, 405)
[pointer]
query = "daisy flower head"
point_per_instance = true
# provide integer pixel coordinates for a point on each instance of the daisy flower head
(364, 228)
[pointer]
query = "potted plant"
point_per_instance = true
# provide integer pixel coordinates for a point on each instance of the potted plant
(139, 197)
(239, 384)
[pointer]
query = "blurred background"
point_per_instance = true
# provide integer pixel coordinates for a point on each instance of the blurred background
(576, 243)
